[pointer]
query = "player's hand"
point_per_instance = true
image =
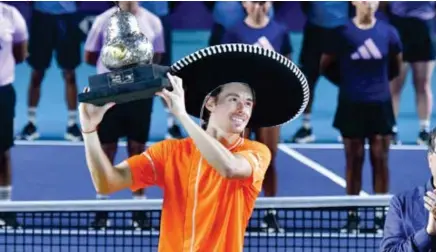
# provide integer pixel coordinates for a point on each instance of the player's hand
(175, 99)
(91, 115)
(430, 205)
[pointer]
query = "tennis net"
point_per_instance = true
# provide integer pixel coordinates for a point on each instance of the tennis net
(344, 223)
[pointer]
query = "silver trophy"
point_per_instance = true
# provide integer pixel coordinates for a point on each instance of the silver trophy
(125, 45)
(128, 54)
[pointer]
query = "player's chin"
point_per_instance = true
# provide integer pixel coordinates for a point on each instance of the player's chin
(237, 129)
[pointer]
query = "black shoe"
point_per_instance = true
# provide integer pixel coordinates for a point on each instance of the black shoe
(174, 133)
(352, 225)
(423, 137)
(303, 135)
(270, 223)
(9, 220)
(29, 132)
(100, 221)
(141, 220)
(73, 133)
(394, 139)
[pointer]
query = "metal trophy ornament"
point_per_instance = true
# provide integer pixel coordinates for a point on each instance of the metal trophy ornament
(128, 54)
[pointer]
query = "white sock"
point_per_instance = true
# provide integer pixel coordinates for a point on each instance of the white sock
(102, 197)
(139, 197)
(31, 114)
(306, 121)
(5, 193)
(424, 125)
(72, 117)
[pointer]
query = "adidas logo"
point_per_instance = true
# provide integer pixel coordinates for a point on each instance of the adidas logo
(264, 43)
(367, 51)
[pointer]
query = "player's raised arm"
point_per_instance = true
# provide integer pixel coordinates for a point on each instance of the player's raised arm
(137, 172)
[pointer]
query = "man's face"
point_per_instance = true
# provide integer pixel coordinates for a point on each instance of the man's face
(231, 110)
(366, 7)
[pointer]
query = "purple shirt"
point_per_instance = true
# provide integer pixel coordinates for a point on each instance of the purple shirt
(364, 60)
(273, 36)
(149, 24)
(406, 222)
(13, 30)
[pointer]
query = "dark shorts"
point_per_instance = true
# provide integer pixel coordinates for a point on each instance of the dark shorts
(131, 120)
(315, 39)
(418, 38)
(58, 33)
(363, 120)
(7, 114)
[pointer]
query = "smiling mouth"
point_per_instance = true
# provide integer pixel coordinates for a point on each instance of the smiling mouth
(238, 119)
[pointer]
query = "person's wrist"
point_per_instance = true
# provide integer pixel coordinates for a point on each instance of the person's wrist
(89, 130)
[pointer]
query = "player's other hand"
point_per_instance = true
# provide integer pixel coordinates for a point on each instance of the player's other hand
(91, 115)
(175, 99)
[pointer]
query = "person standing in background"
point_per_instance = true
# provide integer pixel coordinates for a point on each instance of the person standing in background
(415, 24)
(133, 119)
(366, 50)
(162, 10)
(55, 27)
(13, 50)
(324, 18)
(258, 29)
(223, 21)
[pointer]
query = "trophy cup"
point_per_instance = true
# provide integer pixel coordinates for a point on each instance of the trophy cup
(128, 54)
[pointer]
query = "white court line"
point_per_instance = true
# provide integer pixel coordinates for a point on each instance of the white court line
(293, 146)
(317, 167)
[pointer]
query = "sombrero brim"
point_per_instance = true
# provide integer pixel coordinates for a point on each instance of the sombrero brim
(281, 89)
(332, 73)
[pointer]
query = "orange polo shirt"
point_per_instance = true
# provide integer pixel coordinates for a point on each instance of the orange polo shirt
(202, 211)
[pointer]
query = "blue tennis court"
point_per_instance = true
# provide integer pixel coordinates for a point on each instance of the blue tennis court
(57, 171)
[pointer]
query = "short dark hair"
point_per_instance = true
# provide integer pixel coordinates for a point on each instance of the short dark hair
(206, 113)
(432, 142)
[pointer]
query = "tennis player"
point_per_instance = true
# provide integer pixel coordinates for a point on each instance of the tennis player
(211, 179)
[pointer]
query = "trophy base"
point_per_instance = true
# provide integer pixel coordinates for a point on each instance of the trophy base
(126, 85)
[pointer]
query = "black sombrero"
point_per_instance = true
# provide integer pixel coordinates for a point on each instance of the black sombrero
(281, 89)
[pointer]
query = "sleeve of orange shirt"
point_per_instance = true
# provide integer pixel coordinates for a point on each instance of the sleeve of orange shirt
(148, 168)
(259, 157)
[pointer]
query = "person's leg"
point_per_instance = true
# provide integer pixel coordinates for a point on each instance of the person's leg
(41, 44)
(7, 114)
(68, 54)
(309, 63)
(137, 131)
(379, 152)
(270, 136)
(396, 87)
(354, 148)
(422, 75)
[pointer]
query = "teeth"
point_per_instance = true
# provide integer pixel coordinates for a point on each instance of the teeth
(237, 119)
